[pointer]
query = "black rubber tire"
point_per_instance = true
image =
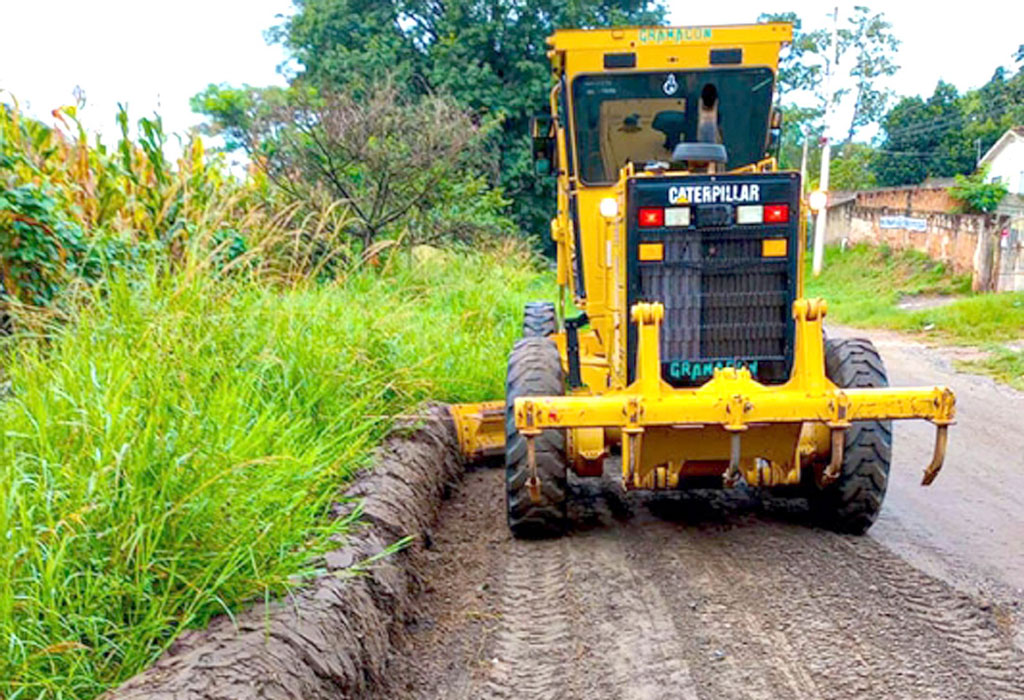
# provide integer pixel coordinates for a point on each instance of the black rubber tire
(852, 503)
(539, 320)
(534, 369)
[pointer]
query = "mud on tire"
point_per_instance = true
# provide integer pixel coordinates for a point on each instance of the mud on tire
(852, 503)
(534, 369)
(539, 320)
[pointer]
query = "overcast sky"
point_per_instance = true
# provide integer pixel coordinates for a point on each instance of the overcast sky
(155, 55)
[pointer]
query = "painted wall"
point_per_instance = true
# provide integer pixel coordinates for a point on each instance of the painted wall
(979, 245)
(915, 198)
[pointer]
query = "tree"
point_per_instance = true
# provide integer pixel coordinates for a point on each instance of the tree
(873, 47)
(850, 169)
(916, 144)
(395, 160)
(946, 134)
(798, 124)
(235, 111)
(796, 72)
(489, 55)
(862, 58)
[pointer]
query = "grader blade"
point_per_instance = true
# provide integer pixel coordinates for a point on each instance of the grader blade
(481, 429)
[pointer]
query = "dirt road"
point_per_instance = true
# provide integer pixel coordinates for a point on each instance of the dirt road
(709, 595)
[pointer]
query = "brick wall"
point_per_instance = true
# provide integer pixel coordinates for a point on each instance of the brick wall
(969, 243)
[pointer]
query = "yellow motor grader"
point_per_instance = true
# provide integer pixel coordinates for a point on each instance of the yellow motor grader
(681, 243)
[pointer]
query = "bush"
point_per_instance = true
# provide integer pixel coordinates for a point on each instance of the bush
(40, 250)
(407, 167)
(976, 195)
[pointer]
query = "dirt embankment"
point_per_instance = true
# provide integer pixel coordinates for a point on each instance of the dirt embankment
(331, 639)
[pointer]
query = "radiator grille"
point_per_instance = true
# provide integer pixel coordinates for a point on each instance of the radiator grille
(726, 302)
(723, 300)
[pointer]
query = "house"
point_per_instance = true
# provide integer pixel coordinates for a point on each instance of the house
(1005, 160)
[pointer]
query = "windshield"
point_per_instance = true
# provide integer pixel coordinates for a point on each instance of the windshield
(641, 117)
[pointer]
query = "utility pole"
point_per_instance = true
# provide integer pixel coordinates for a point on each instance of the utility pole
(803, 160)
(826, 152)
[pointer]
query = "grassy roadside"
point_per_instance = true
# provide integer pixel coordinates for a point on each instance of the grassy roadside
(171, 453)
(864, 287)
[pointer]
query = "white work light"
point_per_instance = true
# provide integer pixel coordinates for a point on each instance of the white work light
(609, 207)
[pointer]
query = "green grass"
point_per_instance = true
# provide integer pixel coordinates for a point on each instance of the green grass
(1005, 364)
(864, 285)
(172, 452)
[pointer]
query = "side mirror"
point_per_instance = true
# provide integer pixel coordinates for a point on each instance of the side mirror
(542, 133)
(775, 132)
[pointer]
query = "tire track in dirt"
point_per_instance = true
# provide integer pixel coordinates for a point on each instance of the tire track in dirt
(703, 595)
(623, 619)
(533, 644)
(732, 641)
(955, 617)
(825, 623)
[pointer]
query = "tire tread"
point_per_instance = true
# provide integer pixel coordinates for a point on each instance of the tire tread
(852, 503)
(534, 369)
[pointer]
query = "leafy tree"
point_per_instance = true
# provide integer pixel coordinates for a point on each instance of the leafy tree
(944, 135)
(866, 50)
(850, 168)
(916, 144)
(869, 39)
(391, 157)
(864, 55)
(796, 73)
(236, 110)
(799, 123)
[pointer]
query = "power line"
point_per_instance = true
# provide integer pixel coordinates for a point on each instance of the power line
(997, 107)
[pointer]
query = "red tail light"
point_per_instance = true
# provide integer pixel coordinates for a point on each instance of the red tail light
(776, 213)
(651, 217)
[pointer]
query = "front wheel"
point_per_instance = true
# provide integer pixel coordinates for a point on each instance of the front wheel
(852, 502)
(534, 369)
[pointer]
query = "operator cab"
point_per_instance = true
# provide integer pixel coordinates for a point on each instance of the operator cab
(697, 120)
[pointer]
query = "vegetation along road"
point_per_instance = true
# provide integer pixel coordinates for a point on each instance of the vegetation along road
(707, 596)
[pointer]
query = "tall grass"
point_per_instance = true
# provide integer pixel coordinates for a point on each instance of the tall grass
(864, 284)
(172, 451)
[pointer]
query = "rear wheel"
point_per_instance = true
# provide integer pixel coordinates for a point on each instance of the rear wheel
(852, 502)
(539, 320)
(534, 369)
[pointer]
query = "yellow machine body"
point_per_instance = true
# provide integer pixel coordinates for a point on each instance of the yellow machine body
(731, 424)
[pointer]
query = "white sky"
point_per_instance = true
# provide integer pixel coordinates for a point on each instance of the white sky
(959, 42)
(155, 55)
(152, 55)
